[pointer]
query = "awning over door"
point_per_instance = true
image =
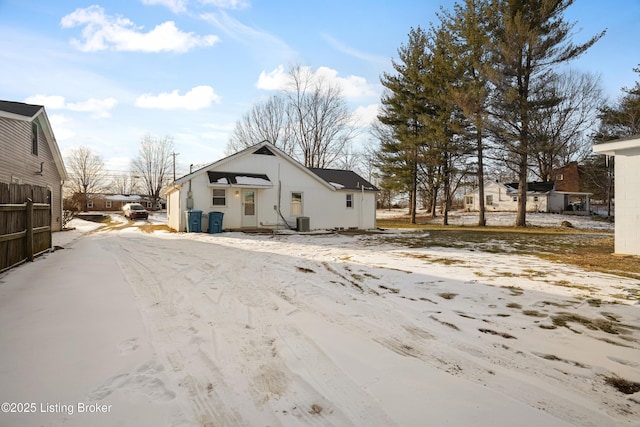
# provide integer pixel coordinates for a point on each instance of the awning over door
(239, 179)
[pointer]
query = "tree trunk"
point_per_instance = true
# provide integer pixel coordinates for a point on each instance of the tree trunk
(414, 190)
(521, 217)
(482, 221)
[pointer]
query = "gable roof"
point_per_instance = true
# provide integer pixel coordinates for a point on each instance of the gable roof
(30, 113)
(536, 187)
(20, 108)
(261, 148)
(344, 179)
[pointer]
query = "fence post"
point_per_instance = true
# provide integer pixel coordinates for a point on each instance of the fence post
(29, 246)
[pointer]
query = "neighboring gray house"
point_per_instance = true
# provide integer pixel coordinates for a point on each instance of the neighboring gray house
(541, 197)
(262, 187)
(627, 194)
(29, 153)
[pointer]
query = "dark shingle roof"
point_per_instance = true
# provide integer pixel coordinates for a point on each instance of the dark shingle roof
(537, 187)
(344, 179)
(20, 108)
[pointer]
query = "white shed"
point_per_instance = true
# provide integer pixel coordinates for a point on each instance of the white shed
(627, 195)
(262, 187)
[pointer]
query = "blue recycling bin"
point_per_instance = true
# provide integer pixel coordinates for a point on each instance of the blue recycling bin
(194, 221)
(215, 222)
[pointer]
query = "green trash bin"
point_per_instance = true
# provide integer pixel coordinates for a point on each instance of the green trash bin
(215, 222)
(194, 221)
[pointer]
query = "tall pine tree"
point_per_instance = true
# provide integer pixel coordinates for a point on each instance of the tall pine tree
(403, 104)
(529, 39)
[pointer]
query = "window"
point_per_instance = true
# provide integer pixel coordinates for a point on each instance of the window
(90, 204)
(350, 200)
(559, 177)
(149, 204)
(296, 204)
(34, 138)
(219, 197)
(107, 204)
(489, 200)
(514, 198)
(535, 198)
(468, 200)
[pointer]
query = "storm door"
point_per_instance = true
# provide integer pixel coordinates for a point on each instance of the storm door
(249, 217)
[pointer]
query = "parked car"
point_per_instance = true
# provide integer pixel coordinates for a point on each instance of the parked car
(135, 211)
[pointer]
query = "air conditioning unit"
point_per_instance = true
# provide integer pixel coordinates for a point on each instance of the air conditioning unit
(302, 223)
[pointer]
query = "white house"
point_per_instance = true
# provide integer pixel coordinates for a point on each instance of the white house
(541, 197)
(627, 195)
(262, 187)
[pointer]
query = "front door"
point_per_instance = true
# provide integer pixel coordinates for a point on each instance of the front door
(249, 218)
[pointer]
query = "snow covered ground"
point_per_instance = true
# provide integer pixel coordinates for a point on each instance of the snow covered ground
(232, 329)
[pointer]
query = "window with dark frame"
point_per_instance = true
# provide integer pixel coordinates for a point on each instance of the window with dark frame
(350, 200)
(489, 200)
(219, 197)
(34, 139)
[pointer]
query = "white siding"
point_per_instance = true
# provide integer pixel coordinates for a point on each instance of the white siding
(627, 177)
(325, 206)
(627, 196)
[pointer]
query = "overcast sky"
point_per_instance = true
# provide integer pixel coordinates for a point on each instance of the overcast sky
(108, 73)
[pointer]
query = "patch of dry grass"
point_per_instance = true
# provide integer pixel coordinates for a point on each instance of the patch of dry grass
(588, 249)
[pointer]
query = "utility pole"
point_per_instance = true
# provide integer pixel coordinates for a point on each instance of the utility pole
(174, 154)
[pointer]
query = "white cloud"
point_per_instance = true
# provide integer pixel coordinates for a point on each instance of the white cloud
(341, 47)
(262, 43)
(176, 6)
(197, 98)
(352, 86)
(365, 115)
(227, 4)
(60, 130)
(274, 80)
(99, 108)
(102, 32)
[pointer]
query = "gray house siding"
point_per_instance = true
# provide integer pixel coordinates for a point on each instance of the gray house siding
(18, 163)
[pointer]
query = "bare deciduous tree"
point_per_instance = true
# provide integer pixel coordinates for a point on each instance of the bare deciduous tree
(87, 174)
(267, 120)
(125, 183)
(561, 132)
(309, 119)
(320, 119)
(153, 165)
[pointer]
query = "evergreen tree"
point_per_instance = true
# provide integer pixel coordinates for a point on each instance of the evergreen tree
(468, 26)
(529, 38)
(403, 104)
(443, 119)
(622, 119)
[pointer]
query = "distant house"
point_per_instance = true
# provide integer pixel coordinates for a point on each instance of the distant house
(109, 202)
(627, 194)
(262, 187)
(30, 153)
(541, 197)
(570, 178)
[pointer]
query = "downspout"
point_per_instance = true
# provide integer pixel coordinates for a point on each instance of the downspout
(279, 197)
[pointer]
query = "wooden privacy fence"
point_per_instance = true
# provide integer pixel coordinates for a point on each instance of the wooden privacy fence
(25, 223)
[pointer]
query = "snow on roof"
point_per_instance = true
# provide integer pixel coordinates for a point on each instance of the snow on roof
(123, 198)
(252, 180)
(240, 178)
